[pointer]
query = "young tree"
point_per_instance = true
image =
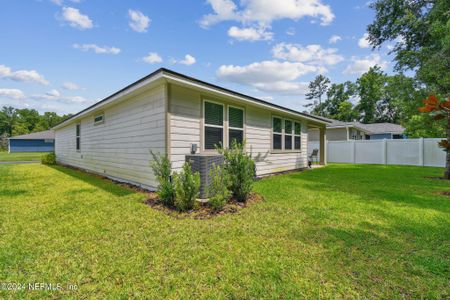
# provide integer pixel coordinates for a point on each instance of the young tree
(370, 88)
(8, 117)
(317, 88)
(440, 111)
(337, 103)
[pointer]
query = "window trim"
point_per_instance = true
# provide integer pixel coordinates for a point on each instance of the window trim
(297, 135)
(204, 125)
(78, 137)
(102, 120)
(227, 122)
(288, 134)
(272, 132)
(293, 135)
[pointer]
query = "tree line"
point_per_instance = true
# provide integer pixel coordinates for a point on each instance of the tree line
(15, 122)
(419, 32)
(378, 98)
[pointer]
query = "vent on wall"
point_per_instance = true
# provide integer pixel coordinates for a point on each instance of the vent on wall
(203, 164)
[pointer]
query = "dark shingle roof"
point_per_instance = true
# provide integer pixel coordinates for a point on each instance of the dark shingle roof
(41, 135)
(382, 128)
(375, 128)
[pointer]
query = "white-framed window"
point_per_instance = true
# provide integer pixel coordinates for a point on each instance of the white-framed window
(297, 136)
(277, 133)
(235, 125)
(99, 119)
(286, 134)
(288, 128)
(213, 114)
(78, 137)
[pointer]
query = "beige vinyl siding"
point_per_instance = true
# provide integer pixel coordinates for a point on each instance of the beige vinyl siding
(258, 136)
(186, 129)
(333, 134)
(119, 147)
(185, 120)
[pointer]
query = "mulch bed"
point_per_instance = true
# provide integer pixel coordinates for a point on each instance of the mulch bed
(446, 193)
(437, 178)
(202, 210)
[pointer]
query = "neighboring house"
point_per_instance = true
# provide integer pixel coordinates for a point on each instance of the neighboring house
(43, 141)
(168, 112)
(345, 131)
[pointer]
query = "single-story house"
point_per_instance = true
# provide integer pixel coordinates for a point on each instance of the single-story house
(43, 141)
(346, 131)
(173, 114)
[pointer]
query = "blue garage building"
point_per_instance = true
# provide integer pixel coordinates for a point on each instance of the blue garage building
(43, 141)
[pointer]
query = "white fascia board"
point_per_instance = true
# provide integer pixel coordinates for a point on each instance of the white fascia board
(114, 98)
(200, 86)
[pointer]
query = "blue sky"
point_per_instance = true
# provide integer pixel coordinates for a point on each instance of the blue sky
(64, 55)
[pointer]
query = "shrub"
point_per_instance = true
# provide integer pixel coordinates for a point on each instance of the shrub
(162, 169)
(187, 186)
(240, 167)
(49, 159)
(217, 191)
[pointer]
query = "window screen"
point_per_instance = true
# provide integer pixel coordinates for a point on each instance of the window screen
(297, 136)
(78, 136)
(213, 115)
(277, 134)
(236, 125)
(236, 117)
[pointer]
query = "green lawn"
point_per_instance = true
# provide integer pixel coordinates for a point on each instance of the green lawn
(342, 231)
(20, 156)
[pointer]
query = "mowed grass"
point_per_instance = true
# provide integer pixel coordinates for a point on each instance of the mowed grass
(342, 231)
(21, 156)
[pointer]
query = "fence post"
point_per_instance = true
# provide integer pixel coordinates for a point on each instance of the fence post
(384, 149)
(354, 151)
(421, 152)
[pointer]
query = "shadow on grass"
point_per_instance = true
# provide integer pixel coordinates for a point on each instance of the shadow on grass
(102, 183)
(401, 185)
(12, 193)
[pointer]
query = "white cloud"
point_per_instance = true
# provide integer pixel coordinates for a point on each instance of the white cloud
(22, 75)
(61, 2)
(138, 21)
(12, 94)
(334, 39)
(188, 60)
(76, 19)
(290, 31)
(71, 86)
(362, 65)
(363, 42)
(57, 2)
(269, 76)
(311, 54)
(152, 58)
(250, 34)
(265, 12)
(97, 49)
(55, 95)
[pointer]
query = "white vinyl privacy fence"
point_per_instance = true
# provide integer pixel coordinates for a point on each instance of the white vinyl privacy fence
(415, 152)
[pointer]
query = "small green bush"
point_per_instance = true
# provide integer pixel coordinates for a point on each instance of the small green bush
(187, 186)
(240, 167)
(162, 168)
(217, 191)
(49, 159)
